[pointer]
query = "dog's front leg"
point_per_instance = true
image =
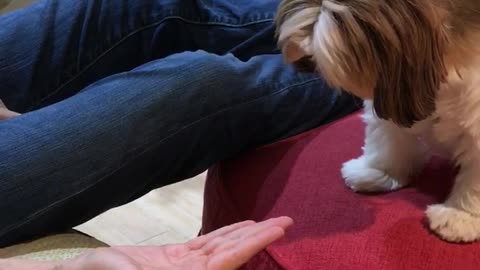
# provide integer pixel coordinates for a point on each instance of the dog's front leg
(390, 156)
(458, 218)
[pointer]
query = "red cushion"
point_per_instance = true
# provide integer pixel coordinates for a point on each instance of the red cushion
(335, 228)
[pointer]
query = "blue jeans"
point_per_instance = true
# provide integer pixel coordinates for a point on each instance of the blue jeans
(122, 97)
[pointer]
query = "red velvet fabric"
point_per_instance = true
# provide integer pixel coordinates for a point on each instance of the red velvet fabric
(335, 228)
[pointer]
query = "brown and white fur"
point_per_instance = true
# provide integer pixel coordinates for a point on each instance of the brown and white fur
(416, 63)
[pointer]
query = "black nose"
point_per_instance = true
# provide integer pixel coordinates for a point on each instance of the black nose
(305, 65)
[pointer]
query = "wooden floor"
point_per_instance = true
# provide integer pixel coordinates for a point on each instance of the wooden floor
(167, 215)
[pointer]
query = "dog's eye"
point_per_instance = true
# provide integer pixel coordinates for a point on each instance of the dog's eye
(305, 64)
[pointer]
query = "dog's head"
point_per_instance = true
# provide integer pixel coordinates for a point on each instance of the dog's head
(391, 51)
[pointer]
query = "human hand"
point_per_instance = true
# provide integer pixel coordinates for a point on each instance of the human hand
(225, 249)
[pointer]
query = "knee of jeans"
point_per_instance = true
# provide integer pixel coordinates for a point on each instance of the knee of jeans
(211, 74)
(187, 86)
(203, 63)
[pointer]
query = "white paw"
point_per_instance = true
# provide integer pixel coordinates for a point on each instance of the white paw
(361, 177)
(452, 224)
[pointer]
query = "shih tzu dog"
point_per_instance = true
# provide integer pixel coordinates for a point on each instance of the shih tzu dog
(416, 63)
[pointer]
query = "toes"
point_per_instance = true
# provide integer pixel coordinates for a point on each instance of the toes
(359, 176)
(452, 224)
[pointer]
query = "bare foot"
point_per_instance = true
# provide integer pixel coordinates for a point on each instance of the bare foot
(6, 114)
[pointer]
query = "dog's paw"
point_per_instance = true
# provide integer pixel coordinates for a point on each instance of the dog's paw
(361, 177)
(452, 224)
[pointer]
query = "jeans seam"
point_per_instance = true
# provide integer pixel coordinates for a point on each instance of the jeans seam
(135, 32)
(40, 212)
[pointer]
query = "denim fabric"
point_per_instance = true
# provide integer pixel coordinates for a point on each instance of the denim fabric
(121, 97)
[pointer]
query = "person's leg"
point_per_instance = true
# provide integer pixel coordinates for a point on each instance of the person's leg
(135, 131)
(132, 132)
(53, 49)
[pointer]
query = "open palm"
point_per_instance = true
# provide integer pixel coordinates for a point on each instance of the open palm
(225, 249)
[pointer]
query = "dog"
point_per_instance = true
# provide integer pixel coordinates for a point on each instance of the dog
(416, 65)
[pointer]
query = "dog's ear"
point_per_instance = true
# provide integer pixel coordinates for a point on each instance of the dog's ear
(412, 69)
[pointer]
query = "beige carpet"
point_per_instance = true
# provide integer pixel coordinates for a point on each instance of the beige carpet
(9, 5)
(53, 248)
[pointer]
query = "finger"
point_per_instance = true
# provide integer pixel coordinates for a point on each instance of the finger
(240, 254)
(199, 242)
(227, 240)
(247, 231)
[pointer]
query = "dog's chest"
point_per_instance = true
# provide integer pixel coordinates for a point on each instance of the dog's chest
(457, 115)
(426, 136)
